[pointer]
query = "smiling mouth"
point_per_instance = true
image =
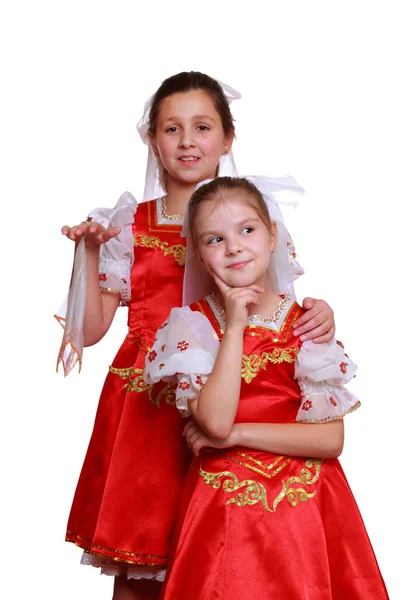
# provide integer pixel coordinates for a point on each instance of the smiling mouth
(239, 265)
(189, 159)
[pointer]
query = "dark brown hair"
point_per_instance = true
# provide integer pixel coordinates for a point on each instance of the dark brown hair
(220, 189)
(184, 82)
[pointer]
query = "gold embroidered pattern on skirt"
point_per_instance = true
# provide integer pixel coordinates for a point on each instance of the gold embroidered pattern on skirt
(136, 383)
(135, 338)
(151, 241)
(255, 492)
(265, 470)
(251, 364)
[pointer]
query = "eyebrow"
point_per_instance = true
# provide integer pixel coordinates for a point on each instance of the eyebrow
(208, 233)
(194, 118)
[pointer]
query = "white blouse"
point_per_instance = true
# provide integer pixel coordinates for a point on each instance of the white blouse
(186, 346)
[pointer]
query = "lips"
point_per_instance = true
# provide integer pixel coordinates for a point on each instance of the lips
(189, 159)
(239, 265)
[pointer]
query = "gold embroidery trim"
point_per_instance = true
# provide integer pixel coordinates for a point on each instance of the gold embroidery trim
(286, 460)
(178, 251)
(332, 418)
(251, 364)
(164, 215)
(136, 383)
(255, 492)
(68, 342)
(79, 541)
(135, 338)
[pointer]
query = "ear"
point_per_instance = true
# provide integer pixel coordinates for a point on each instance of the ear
(153, 143)
(201, 261)
(273, 236)
(228, 140)
(197, 255)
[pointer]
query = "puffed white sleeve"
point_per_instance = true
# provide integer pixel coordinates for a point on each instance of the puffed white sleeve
(184, 350)
(322, 370)
(115, 265)
(116, 256)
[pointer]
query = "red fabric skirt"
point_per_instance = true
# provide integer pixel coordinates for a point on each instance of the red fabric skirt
(254, 525)
(128, 491)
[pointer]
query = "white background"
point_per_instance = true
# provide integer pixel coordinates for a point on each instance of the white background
(319, 101)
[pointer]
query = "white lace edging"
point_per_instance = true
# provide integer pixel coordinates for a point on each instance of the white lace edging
(113, 569)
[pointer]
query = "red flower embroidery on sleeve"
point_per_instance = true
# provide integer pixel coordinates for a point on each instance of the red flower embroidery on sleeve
(307, 405)
(152, 355)
(182, 346)
(161, 366)
(339, 344)
(184, 385)
(88, 220)
(343, 367)
(163, 347)
(332, 401)
(124, 280)
(163, 325)
(199, 380)
(102, 277)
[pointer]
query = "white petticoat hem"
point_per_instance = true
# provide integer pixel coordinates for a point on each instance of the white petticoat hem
(115, 569)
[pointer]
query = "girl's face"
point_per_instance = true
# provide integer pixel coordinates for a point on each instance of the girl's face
(233, 241)
(189, 137)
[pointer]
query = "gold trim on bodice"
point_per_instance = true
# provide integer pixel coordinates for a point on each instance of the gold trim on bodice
(251, 364)
(178, 251)
(274, 323)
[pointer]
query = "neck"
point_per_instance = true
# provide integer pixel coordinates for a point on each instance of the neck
(178, 196)
(269, 301)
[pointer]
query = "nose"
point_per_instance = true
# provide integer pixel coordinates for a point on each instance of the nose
(233, 247)
(186, 140)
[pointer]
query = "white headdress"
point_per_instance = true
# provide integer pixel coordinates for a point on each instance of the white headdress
(283, 268)
(154, 187)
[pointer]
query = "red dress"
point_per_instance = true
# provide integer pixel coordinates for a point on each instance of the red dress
(127, 495)
(252, 524)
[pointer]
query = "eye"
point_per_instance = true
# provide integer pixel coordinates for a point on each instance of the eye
(203, 128)
(247, 230)
(215, 240)
(171, 129)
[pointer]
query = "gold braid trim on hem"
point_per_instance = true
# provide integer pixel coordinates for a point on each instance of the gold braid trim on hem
(139, 561)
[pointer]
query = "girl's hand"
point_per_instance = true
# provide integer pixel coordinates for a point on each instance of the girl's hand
(197, 439)
(236, 302)
(317, 324)
(95, 234)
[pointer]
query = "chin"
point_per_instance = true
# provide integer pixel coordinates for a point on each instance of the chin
(239, 283)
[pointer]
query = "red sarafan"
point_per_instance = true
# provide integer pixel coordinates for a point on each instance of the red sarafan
(137, 473)
(256, 524)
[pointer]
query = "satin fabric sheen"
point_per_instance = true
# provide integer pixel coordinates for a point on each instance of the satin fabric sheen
(128, 491)
(310, 546)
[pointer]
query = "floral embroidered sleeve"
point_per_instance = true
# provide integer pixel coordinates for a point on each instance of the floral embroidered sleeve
(184, 350)
(116, 256)
(321, 371)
